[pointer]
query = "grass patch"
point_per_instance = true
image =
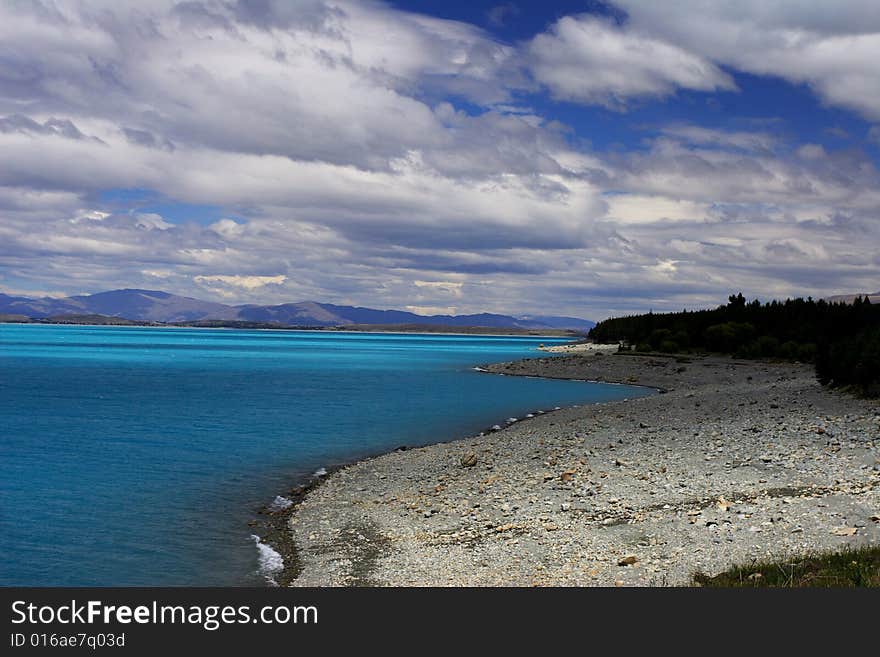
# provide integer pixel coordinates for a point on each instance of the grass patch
(852, 567)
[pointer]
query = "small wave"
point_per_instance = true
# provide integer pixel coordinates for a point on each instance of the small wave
(280, 503)
(320, 472)
(271, 562)
(511, 420)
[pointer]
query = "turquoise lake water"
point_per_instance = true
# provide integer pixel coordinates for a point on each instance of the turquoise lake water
(137, 456)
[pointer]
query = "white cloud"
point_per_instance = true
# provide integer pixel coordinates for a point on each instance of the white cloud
(432, 310)
(664, 268)
(591, 60)
(228, 228)
(151, 221)
(158, 273)
(90, 215)
(699, 135)
(832, 46)
(812, 152)
(449, 287)
(644, 209)
(246, 282)
(330, 132)
(326, 81)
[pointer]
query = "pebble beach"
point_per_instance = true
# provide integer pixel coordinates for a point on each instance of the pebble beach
(731, 461)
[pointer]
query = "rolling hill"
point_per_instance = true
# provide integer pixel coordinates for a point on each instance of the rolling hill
(163, 307)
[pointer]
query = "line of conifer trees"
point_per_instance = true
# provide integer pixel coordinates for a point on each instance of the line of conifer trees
(842, 339)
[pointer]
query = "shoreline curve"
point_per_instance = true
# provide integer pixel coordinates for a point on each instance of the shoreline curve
(740, 459)
(273, 523)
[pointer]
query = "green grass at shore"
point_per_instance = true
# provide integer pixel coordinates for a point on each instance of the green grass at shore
(856, 567)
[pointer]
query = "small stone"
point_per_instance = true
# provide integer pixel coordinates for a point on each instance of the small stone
(630, 560)
(844, 531)
(469, 460)
(756, 576)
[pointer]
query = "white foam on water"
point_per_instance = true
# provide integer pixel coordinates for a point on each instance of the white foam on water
(320, 472)
(271, 562)
(280, 503)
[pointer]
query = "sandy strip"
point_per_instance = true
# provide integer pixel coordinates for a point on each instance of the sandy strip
(579, 348)
(738, 460)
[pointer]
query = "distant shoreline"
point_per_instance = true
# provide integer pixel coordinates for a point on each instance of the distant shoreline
(426, 329)
(391, 329)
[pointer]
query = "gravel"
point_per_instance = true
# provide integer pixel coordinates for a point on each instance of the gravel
(738, 460)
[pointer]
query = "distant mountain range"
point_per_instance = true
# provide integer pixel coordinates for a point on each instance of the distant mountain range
(849, 298)
(156, 306)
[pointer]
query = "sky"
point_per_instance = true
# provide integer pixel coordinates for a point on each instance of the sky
(575, 158)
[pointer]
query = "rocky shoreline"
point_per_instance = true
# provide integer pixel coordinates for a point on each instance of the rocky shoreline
(740, 460)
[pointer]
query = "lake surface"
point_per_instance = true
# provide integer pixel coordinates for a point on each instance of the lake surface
(137, 456)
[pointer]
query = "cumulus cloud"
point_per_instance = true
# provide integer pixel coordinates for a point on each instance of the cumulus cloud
(151, 221)
(449, 287)
(202, 72)
(739, 139)
(246, 282)
(591, 60)
(833, 47)
(432, 310)
(366, 155)
(51, 126)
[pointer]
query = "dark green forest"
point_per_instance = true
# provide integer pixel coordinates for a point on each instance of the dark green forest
(842, 339)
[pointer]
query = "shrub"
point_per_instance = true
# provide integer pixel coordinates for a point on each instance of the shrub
(728, 337)
(766, 346)
(669, 346)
